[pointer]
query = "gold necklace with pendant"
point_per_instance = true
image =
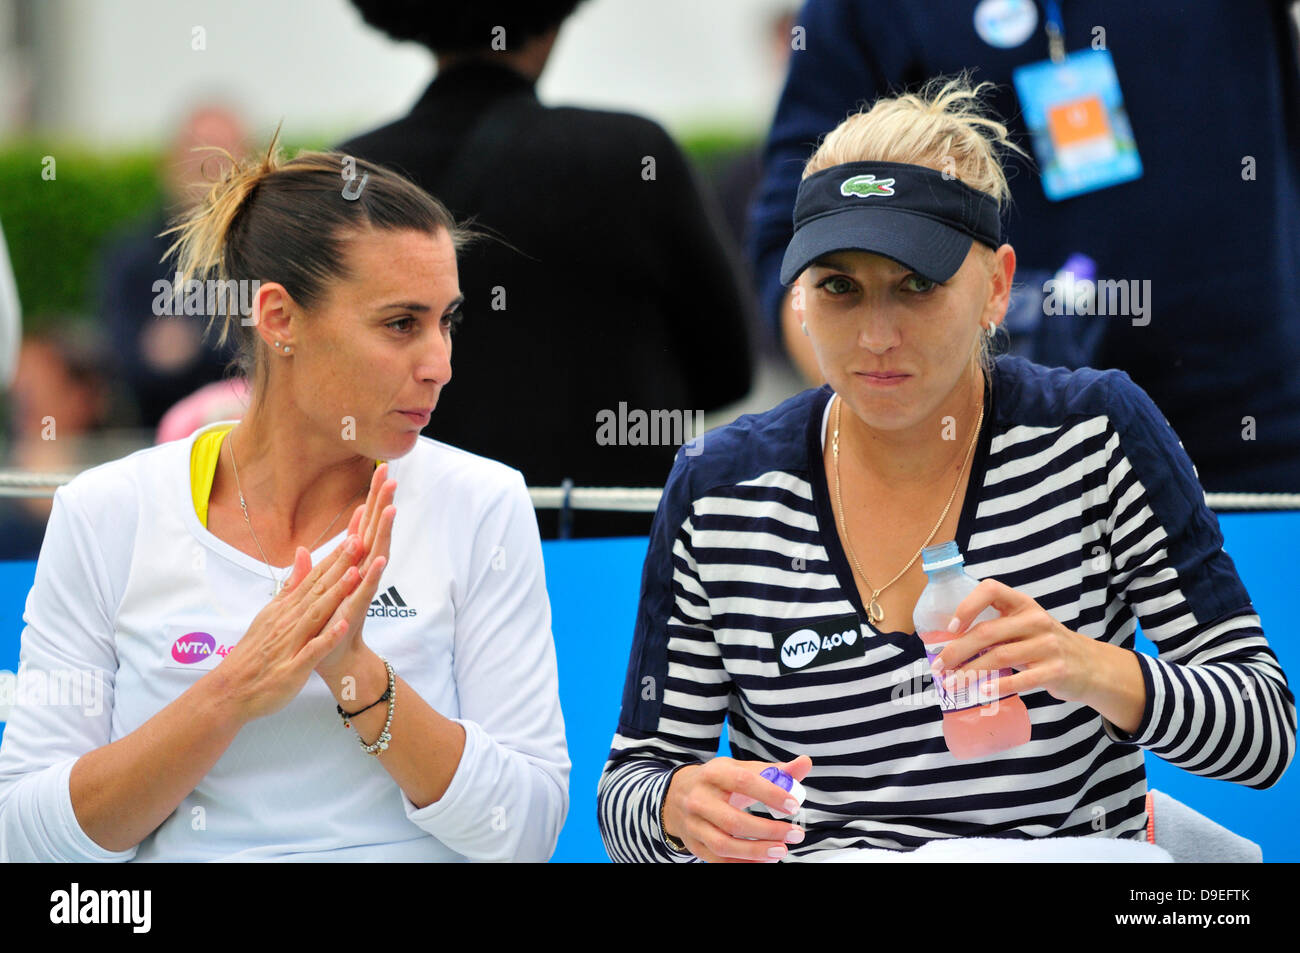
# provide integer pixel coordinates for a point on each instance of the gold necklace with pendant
(874, 612)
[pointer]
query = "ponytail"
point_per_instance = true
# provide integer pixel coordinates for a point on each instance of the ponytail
(202, 233)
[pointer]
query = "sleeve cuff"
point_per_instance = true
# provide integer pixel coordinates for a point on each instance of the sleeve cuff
(460, 781)
(1144, 736)
(660, 791)
(76, 840)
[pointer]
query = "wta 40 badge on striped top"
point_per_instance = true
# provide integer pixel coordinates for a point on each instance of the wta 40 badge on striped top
(819, 643)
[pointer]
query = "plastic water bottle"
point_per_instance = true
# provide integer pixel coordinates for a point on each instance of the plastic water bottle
(974, 724)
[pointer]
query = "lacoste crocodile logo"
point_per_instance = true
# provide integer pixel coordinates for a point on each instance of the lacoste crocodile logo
(865, 185)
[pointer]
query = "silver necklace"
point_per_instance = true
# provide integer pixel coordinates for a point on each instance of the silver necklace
(279, 583)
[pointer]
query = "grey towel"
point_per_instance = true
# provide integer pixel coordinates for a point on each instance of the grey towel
(1192, 838)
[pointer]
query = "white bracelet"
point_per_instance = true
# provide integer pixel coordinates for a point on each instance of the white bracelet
(381, 744)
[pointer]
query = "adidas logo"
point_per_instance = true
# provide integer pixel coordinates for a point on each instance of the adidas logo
(390, 605)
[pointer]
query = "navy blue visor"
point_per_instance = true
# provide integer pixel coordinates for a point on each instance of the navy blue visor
(921, 218)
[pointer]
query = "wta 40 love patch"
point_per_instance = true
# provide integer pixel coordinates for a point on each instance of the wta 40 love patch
(819, 643)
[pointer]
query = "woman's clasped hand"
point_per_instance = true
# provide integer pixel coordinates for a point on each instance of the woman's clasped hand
(315, 622)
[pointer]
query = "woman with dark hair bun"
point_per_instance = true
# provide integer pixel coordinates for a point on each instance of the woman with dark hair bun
(188, 592)
(459, 27)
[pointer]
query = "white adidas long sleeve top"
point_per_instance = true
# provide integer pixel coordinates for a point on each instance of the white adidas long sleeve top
(134, 599)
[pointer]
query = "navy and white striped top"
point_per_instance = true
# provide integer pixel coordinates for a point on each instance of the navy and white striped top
(1067, 461)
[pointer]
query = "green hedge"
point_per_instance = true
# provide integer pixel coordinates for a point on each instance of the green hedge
(55, 227)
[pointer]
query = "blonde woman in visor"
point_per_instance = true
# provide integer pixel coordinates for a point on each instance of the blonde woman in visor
(1067, 492)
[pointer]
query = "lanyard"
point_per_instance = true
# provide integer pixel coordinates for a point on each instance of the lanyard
(1055, 27)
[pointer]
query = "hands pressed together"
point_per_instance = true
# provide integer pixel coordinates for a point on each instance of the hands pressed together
(315, 622)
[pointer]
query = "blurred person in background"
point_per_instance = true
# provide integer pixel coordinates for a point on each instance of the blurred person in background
(1207, 96)
(613, 289)
(221, 400)
(59, 395)
(163, 359)
(736, 178)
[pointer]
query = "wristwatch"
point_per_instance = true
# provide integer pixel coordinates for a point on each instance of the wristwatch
(673, 843)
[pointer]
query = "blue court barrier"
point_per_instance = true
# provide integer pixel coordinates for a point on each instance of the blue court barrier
(594, 585)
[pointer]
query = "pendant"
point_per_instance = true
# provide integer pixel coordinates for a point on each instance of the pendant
(876, 613)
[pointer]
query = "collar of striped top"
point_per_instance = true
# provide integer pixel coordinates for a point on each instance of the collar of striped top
(818, 422)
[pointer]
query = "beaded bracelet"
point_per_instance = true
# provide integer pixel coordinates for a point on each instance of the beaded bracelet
(381, 743)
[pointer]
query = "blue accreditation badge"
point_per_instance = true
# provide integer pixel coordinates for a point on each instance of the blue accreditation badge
(1075, 114)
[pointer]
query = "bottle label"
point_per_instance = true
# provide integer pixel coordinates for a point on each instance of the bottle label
(966, 691)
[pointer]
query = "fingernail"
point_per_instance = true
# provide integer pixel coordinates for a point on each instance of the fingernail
(954, 625)
(937, 665)
(777, 852)
(791, 806)
(794, 837)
